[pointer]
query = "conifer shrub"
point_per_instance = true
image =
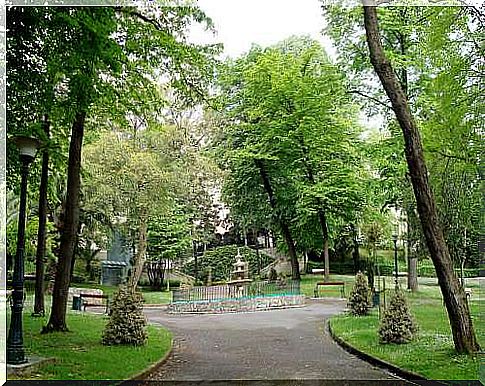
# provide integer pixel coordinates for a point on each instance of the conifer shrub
(127, 323)
(397, 324)
(359, 299)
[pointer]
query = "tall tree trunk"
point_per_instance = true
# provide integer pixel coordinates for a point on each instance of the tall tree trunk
(453, 294)
(140, 255)
(39, 306)
(57, 320)
(256, 247)
(323, 225)
(355, 250)
(285, 229)
(412, 257)
(322, 219)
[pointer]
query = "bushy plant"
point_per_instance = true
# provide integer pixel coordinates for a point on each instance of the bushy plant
(272, 276)
(127, 324)
(221, 260)
(397, 324)
(359, 299)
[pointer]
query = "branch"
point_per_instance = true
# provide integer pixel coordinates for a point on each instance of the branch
(450, 156)
(371, 98)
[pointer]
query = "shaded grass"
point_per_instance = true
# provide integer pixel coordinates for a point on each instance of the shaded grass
(151, 297)
(432, 353)
(79, 353)
(308, 282)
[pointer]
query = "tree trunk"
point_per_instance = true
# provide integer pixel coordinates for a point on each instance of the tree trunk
(412, 258)
(57, 320)
(39, 306)
(453, 294)
(326, 258)
(355, 250)
(256, 247)
(140, 255)
(321, 213)
(295, 269)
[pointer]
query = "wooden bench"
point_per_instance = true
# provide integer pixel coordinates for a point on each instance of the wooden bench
(330, 283)
(93, 296)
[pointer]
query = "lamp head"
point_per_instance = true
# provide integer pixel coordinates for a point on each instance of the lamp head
(394, 237)
(27, 146)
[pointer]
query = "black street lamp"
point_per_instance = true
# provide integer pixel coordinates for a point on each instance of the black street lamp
(15, 345)
(394, 238)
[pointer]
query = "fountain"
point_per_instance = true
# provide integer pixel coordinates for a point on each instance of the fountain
(240, 274)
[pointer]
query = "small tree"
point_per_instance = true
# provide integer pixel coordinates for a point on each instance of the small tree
(359, 299)
(127, 323)
(397, 325)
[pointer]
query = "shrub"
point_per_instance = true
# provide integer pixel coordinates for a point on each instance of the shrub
(127, 323)
(272, 276)
(397, 325)
(359, 299)
(221, 260)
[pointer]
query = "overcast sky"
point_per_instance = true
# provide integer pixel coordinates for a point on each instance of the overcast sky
(240, 23)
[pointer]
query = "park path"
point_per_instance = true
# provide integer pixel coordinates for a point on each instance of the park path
(280, 344)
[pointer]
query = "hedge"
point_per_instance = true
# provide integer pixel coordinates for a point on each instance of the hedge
(221, 260)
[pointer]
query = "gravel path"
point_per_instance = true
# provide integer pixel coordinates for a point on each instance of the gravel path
(278, 344)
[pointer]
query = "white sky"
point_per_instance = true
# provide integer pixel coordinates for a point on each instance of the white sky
(240, 23)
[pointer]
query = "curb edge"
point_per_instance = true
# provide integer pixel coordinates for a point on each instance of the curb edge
(405, 374)
(142, 375)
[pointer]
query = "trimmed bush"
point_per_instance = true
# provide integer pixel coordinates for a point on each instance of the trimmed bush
(127, 324)
(359, 299)
(221, 260)
(397, 325)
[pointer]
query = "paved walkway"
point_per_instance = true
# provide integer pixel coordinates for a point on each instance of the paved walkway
(279, 344)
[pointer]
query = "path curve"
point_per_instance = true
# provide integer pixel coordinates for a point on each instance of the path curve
(279, 344)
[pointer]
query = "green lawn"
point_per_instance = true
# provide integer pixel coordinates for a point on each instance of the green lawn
(79, 353)
(307, 285)
(151, 297)
(432, 353)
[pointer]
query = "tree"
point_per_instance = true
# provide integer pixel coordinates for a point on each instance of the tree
(359, 299)
(453, 294)
(89, 52)
(128, 175)
(301, 146)
(397, 325)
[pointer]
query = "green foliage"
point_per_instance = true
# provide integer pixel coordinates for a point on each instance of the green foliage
(397, 324)
(439, 62)
(359, 298)
(127, 323)
(169, 236)
(221, 260)
(286, 107)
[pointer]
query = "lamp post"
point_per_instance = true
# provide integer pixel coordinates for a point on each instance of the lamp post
(394, 238)
(15, 345)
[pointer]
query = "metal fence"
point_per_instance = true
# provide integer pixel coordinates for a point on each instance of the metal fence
(237, 291)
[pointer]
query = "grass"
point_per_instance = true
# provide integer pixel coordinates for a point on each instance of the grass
(308, 282)
(151, 297)
(432, 353)
(79, 353)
